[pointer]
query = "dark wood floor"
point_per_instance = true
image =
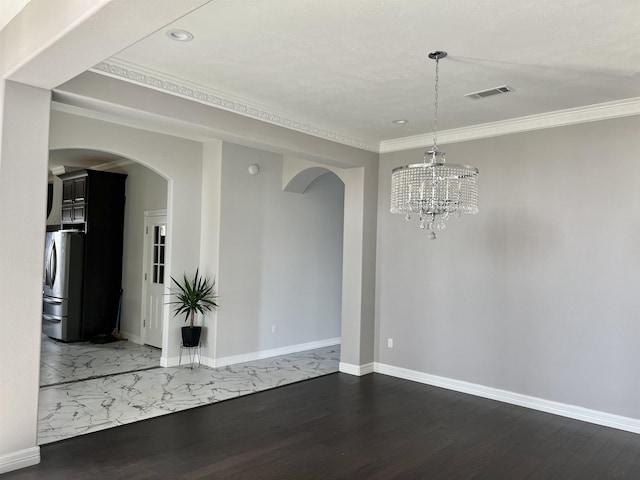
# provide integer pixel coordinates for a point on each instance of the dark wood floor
(339, 426)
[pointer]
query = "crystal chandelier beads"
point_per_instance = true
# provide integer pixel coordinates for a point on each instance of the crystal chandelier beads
(433, 190)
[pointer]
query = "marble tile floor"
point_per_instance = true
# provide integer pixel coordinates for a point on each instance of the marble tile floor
(76, 408)
(69, 362)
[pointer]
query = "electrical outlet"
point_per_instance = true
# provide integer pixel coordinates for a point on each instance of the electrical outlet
(274, 328)
(390, 342)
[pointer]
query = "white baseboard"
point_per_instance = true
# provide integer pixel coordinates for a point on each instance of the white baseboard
(570, 411)
(175, 361)
(250, 357)
(20, 459)
(132, 338)
(169, 361)
(358, 370)
(274, 352)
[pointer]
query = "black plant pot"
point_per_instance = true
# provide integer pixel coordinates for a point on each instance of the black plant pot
(191, 336)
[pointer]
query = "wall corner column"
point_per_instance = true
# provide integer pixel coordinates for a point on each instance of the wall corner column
(24, 156)
(358, 288)
(210, 235)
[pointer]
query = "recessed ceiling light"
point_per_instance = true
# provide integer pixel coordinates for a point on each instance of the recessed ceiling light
(400, 122)
(179, 35)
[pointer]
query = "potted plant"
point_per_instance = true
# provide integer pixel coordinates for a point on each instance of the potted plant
(193, 296)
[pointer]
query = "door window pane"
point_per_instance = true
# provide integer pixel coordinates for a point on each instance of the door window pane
(159, 236)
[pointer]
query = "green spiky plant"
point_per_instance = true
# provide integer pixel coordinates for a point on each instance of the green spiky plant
(194, 296)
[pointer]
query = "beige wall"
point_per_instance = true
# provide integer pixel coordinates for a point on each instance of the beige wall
(538, 294)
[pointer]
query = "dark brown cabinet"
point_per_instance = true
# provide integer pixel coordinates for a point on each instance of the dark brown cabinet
(93, 202)
(74, 198)
(74, 214)
(67, 192)
(74, 189)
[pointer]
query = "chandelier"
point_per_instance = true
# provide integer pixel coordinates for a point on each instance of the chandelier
(434, 190)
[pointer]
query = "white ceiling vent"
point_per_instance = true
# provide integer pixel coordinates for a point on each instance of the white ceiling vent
(489, 92)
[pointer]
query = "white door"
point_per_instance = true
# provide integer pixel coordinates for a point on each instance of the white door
(155, 235)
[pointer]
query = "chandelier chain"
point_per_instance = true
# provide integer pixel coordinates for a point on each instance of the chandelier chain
(433, 191)
(435, 108)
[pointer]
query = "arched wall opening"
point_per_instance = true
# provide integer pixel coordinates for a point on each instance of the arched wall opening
(176, 160)
(297, 175)
(145, 193)
(280, 264)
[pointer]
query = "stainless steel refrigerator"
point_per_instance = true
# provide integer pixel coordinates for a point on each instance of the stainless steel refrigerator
(62, 289)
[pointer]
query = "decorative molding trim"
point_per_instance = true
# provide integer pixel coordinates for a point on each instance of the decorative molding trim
(357, 370)
(571, 116)
(274, 352)
(20, 459)
(571, 411)
(199, 93)
(182, 88)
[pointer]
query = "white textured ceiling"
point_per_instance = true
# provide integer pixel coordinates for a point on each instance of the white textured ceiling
(353, 66)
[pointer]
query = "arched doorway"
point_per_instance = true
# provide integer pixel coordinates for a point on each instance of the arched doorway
(298, 174)
(177, 161)
(145, 191)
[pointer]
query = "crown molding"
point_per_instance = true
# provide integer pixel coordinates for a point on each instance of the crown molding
(179, 87)
(572, 116)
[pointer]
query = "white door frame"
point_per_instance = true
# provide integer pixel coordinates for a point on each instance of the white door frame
(145, 261)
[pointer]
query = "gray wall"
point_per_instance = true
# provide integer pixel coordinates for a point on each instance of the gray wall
(538, 294)
(280, 256)
(145, 190)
